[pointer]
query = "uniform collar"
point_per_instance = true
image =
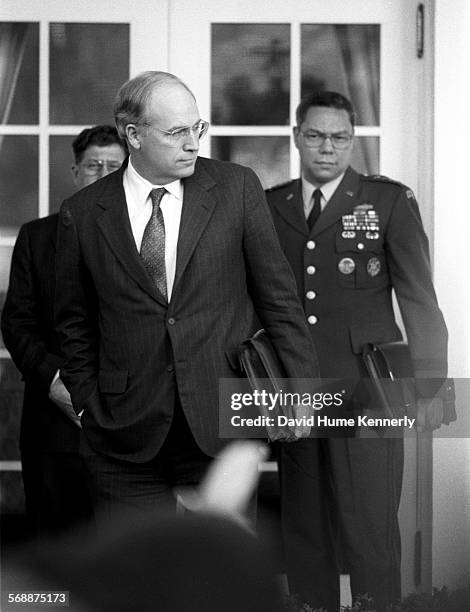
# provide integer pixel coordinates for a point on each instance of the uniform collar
(327, 189)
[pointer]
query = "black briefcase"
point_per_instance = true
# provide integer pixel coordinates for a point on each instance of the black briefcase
(259, 361)
(391, 383)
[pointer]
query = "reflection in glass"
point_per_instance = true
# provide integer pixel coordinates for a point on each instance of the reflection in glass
(61, 160)
(18, 182)
(268, 156)
(344, 58)
(88, 64)
(11, 400)
(19, 73)
(5, 261)
(250, 74)
(366, 154)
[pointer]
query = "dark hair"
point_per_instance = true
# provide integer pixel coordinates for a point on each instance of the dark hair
(330, 99)
(130, 105)
(100, 136)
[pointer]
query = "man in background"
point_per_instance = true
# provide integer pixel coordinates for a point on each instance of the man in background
(55, 491)
(350, 239)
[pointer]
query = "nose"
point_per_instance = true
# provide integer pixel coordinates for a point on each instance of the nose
(326, 145)
(191, 142)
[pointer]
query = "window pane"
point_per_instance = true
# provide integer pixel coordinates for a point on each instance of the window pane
(19, 72)
(250, 74)
(18, 182)
(61, 159)
(344, 58)
(12, 495)
(268, 156)
(366, 154)
(88, 64)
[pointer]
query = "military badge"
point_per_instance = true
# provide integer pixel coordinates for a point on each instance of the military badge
(409, 194)
(346, 265)
(364, 206)
(363, 219)
(373, 266)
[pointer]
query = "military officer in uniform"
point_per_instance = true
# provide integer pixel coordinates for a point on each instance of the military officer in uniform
(350, 239)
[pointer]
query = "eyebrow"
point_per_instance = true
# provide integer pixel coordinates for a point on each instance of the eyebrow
(312, 129)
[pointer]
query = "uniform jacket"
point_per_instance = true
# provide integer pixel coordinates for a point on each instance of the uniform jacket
(29, 335)
(127, 351)
(368, 240)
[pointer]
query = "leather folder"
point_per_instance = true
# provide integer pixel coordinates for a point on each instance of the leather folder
(391, 377)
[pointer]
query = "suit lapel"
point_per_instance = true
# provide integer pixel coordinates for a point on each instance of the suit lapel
(115, 225)
(291, 208)
(340, 203)
(198, 205)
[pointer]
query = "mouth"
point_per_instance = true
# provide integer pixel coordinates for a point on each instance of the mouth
(325, 164)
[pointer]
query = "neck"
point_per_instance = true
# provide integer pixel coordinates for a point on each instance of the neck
(147, 173)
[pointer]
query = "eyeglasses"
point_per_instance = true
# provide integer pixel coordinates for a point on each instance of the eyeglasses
(178, 135)
(314, 139)
(96, 166)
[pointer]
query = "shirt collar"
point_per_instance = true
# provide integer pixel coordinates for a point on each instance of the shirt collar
(141, 187)
(327, 189)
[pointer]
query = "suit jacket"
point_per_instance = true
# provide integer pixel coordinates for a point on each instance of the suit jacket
(127, 351)
(368, 240)
(29, 335)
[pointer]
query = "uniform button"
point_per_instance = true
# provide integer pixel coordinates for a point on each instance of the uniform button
(170, 368)
(311, 245)
(312, 319)
(310, 269)
(311, 295)
(360, 246)
(171, 321)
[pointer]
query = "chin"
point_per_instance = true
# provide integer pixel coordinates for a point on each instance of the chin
(184, 172)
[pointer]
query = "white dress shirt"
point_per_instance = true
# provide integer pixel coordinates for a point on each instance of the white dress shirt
(139, 207)
(327, 191)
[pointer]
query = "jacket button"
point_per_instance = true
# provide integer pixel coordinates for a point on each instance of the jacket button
(312, 319)
(170, 368)
(171, 321)
(311, 245)
(310, 269)
(311, 295)
(360, 246)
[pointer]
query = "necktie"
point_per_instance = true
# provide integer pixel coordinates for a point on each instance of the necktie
(152, 249)
(316, 209)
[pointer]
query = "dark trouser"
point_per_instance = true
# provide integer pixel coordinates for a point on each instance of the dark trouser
(342, 491)
(56, 493)
(120, 487)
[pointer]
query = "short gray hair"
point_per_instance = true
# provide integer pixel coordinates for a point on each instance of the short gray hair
(130, 105)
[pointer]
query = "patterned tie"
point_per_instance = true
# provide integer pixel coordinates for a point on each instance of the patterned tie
(152, 249)
(316, 209)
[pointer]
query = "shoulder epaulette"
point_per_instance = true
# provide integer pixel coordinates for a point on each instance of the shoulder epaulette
(280, 186)
(380, 178)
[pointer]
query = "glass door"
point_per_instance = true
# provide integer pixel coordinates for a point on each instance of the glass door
(249, 65)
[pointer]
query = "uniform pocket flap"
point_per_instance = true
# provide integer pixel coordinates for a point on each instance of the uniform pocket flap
(113, 381)
(372, 332)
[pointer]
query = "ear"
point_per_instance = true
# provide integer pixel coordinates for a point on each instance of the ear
(75, 169)
(133, 135)
(296, 132)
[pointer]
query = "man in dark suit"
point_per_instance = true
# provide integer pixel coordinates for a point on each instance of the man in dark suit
(350, 240)
(163, 268)
(55, 491)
